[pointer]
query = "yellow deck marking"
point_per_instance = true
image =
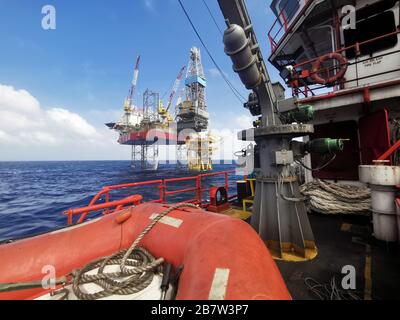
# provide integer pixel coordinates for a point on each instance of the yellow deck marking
(367, 274)
(235, 213)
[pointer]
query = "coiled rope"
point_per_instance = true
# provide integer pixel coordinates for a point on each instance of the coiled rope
(332, 198)
(137, 268)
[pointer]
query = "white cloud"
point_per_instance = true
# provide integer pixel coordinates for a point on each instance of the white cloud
(18, 100)
(215, 73)
(243, 121)
(25, 122)
(73, 123)
(226, 128)
(232, 121)
(31, 132)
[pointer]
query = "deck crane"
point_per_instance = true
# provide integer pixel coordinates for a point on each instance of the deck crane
(279, 212)
(164, 112)
(127, 120)
(178, 102)
(131, 95)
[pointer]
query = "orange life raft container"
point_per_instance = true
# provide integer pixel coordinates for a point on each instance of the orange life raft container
(201, 241)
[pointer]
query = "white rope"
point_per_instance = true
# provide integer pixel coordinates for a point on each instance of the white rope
(333, 198)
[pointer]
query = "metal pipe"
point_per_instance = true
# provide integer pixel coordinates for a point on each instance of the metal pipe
(136, 199)
(389, 152)
(168, 193)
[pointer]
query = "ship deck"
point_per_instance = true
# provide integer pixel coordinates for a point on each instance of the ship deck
(341, 241)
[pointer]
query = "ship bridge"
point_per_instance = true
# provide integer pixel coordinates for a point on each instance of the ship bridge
(307, 30)
(343, 58)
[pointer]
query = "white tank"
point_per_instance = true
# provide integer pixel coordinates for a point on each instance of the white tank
(383, 180)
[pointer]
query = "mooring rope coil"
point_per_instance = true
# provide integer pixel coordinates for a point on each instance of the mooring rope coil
(330, 198)
(142, 268)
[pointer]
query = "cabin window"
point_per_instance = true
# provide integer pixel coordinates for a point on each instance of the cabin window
(370, 28)
(289, 8)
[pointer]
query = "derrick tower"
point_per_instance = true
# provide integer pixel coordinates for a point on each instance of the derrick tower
(192, 117)
(192, 113)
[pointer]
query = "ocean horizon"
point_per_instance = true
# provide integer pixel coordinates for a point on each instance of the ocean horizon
(34, 194)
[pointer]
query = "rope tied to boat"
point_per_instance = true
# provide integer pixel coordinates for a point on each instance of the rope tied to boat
(137, 268)
(333, 198)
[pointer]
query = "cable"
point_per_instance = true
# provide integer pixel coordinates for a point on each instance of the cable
(329, 291)
(213, 18)
(319, 168)
(230, 85)
(281, 179)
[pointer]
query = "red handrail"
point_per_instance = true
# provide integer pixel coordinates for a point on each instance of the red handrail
(185, 190)
(287, 25)
(135, 200)
(163, 193)
(106, 192)
(306, 73)
(356, 46)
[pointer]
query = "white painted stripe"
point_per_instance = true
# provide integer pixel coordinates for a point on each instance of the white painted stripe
(219, 284)
(75, 226)
(170, 221)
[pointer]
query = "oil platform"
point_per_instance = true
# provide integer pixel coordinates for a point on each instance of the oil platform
(147, 128)
(192, 118)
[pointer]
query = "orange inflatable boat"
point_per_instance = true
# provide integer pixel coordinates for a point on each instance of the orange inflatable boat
(222, 257)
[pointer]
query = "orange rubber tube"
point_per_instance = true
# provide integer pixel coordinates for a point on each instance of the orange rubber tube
(202, 242)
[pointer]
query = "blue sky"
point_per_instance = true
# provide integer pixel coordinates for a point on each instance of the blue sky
(85, 65)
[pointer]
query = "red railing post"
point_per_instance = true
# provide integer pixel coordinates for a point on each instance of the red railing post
(162, 192)
(285, 22)
(199, 190)
(70, 221)
(107, 199)
(227, 184)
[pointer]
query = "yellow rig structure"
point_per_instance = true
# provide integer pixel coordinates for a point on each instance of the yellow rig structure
(200, 148)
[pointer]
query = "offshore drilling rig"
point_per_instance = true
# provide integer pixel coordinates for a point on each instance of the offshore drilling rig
(192, 117)
(152, 125)
(146, 128)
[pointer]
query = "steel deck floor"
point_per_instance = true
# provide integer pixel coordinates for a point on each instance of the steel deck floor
(343, 240)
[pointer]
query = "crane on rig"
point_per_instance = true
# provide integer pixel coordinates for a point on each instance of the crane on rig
(131, 116)
(132, 90)
(164, 112)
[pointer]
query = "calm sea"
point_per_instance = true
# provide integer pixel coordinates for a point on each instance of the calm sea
(34, 195)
